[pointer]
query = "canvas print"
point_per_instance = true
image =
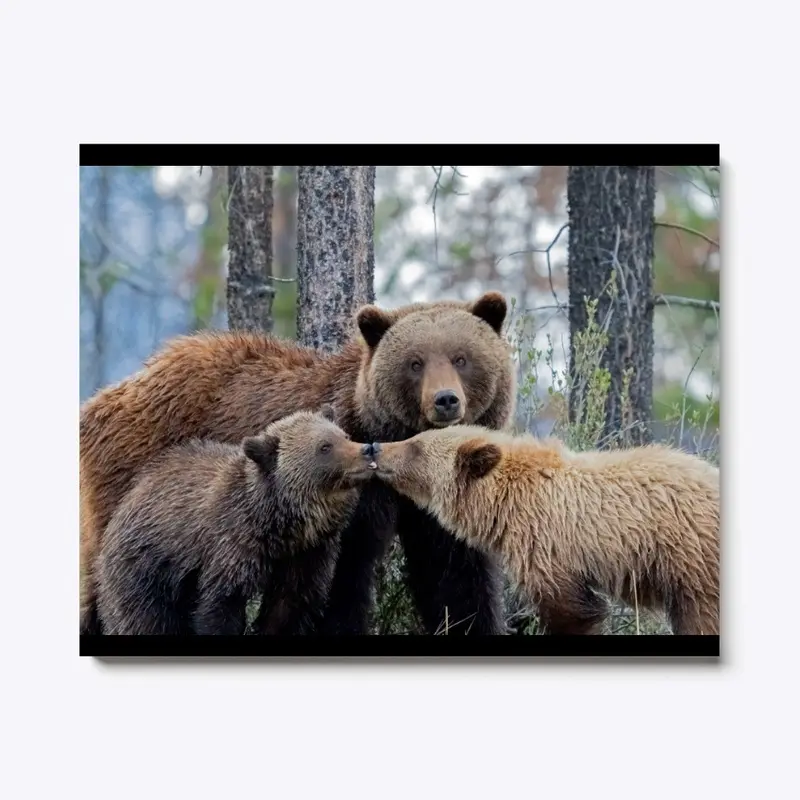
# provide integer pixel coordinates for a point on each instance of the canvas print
(411, 410)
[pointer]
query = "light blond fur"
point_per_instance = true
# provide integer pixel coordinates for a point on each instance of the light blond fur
(640, 525)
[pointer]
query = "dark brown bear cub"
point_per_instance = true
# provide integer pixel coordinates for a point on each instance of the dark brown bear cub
(203, 525)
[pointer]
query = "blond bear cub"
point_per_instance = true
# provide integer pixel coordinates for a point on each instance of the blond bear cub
(639, 525)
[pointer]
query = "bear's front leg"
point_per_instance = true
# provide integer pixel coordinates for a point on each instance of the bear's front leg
(457, 589)
(220, 611)
(297, 589)
(364, 543)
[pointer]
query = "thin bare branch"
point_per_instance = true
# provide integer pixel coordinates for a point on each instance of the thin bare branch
(686, 228)
(435, 194)
(686, 392)
(560, 307)
(687, 180)
(547, 255)
(692, 302)
(546, 251)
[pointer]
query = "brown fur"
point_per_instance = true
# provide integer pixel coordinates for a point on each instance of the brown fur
(207, 525)
(641, 525)
(229, 385)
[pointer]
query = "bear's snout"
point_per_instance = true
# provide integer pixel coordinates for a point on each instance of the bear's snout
(447, 404)
(370, 452)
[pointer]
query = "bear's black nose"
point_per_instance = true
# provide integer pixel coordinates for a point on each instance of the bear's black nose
(376, 448)
(367, 450)
(446, 400)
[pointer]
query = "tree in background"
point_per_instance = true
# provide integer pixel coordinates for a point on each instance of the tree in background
(335, 275)
(439, 231)
(335, 252)
(456, 231)
(250, 289)
(611, 239)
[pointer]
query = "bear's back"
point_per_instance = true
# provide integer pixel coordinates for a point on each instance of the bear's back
(177, 499)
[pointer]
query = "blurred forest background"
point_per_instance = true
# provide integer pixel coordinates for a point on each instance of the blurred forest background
(153, 264)
(153, 259)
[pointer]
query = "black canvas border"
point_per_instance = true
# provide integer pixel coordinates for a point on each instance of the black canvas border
(576, 154)
(356, 647)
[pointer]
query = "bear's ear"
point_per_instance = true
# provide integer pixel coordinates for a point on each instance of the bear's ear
(491, 307)
(373, 324)
(328, 412)
(263, 450)
(476, 460)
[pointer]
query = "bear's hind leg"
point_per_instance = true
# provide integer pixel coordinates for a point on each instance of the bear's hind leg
(293, 603)
(220, 613)
(693, 616)
(90, 623)
(573, 610)
(145, 598)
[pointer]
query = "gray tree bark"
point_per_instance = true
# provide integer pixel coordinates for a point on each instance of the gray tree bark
(611, 227)
(335, 252)
(250, 289)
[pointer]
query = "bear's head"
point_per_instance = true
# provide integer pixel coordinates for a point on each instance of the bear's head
(309, 455)
(446, 472)
(435, 365)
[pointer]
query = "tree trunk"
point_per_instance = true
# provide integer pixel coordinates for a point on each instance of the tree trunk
(335, 251)
(611, 226)
(250, 289)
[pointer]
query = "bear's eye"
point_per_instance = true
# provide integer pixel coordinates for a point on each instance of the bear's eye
(416, 365)
(460, 361)
(325, 448)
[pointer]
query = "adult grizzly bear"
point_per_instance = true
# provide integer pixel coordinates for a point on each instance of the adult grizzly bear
(204, 524)
(641, 525)
(417, 367)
